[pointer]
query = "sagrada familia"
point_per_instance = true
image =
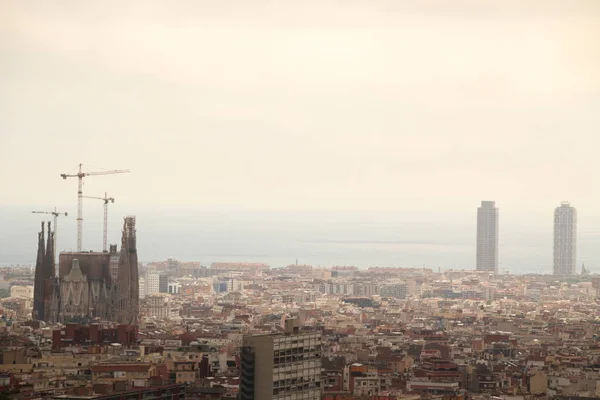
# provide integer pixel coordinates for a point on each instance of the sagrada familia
(90, 285)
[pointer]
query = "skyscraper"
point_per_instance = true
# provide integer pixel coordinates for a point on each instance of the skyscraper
(487, 237)
(565, 239)
(281, 366)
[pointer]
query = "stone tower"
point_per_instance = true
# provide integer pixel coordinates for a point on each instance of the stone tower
(127, 303)
(38, 289)
(44, 299)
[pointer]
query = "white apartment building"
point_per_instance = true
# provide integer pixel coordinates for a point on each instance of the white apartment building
(368, 385)
(152, 283)
(397, 290)
(23, 292)
(344, 288)
(157, 306)
(142, 286)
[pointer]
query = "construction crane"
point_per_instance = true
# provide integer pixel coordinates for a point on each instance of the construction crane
(80, 175)
(55, 214)
(106, 200)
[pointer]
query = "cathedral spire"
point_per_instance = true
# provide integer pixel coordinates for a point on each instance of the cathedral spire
(38, 291)
(41, 243)
(49, 263)
(127, 304)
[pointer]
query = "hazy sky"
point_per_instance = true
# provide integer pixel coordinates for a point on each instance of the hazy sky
(304, 105)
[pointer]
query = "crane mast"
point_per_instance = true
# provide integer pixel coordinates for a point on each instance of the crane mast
(80, 175)
(55, 214)
(106, 200)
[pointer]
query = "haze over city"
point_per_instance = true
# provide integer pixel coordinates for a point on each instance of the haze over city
(360, 134)
(284, 200)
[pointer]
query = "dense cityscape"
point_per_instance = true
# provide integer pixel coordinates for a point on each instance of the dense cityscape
(100, 325)
(299, 200)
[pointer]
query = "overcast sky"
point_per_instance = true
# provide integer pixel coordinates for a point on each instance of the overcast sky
(304, 105)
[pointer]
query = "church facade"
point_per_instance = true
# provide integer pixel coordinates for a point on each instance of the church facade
(85, 288)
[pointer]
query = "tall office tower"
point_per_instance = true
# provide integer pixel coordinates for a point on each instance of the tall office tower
(487, 237)
(565, 239)
(281, 366)
(128, 294)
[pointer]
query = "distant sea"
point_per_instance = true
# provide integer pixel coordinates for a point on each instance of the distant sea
(316, 239)
(278, 250)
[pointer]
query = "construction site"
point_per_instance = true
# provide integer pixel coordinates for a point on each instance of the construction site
(82, 286)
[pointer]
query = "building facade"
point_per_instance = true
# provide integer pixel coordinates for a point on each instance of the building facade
(152, 282)
(45, 278)
(395, 290)
(85, 287)
(75, 298)
(22, 292)
(251, 269)
(487, 237)
(220, 285)
(565, 239)
(163, 284)
(281, 366)
(114, 262)
(174, 287)
(142, 286)
(128, 291)
(157, 306)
